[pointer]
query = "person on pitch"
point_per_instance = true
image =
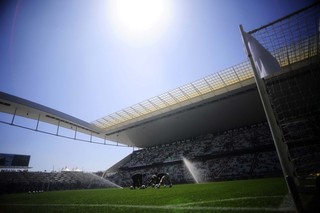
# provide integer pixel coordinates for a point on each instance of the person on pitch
(164, 179)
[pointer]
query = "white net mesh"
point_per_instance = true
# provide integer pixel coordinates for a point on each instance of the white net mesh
(295, 92)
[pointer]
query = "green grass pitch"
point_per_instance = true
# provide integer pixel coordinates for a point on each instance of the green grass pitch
(259, 195)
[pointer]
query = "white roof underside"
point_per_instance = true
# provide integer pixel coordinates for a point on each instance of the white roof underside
(215, 84)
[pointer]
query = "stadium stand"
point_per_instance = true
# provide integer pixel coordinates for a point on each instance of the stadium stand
(246, 152)
(24, 181)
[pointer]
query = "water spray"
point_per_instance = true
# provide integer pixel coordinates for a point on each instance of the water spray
(192, 169)
(109, 182)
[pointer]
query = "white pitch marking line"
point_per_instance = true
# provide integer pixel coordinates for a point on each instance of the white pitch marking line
(229, 199)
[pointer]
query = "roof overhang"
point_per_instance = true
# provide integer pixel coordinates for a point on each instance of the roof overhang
(17, 106)
(229, 110)
(234, 105)
(231, 106)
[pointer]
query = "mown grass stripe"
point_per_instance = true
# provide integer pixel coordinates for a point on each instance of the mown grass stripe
(169, 207)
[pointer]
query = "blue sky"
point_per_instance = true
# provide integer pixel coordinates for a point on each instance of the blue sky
(82, 58)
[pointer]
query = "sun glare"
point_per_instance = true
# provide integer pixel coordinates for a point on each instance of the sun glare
(140, 20)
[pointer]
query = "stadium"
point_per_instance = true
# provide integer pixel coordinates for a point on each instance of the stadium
(211, 131)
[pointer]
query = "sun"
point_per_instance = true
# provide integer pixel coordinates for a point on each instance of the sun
(139, 20)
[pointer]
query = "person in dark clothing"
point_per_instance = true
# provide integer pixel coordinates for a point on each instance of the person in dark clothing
(164, 179)
(152, 180)
(137, 180)
(159, 176)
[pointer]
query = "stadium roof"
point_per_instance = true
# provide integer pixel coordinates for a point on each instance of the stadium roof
(218, 102)
(168, 117)
(213, 85)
